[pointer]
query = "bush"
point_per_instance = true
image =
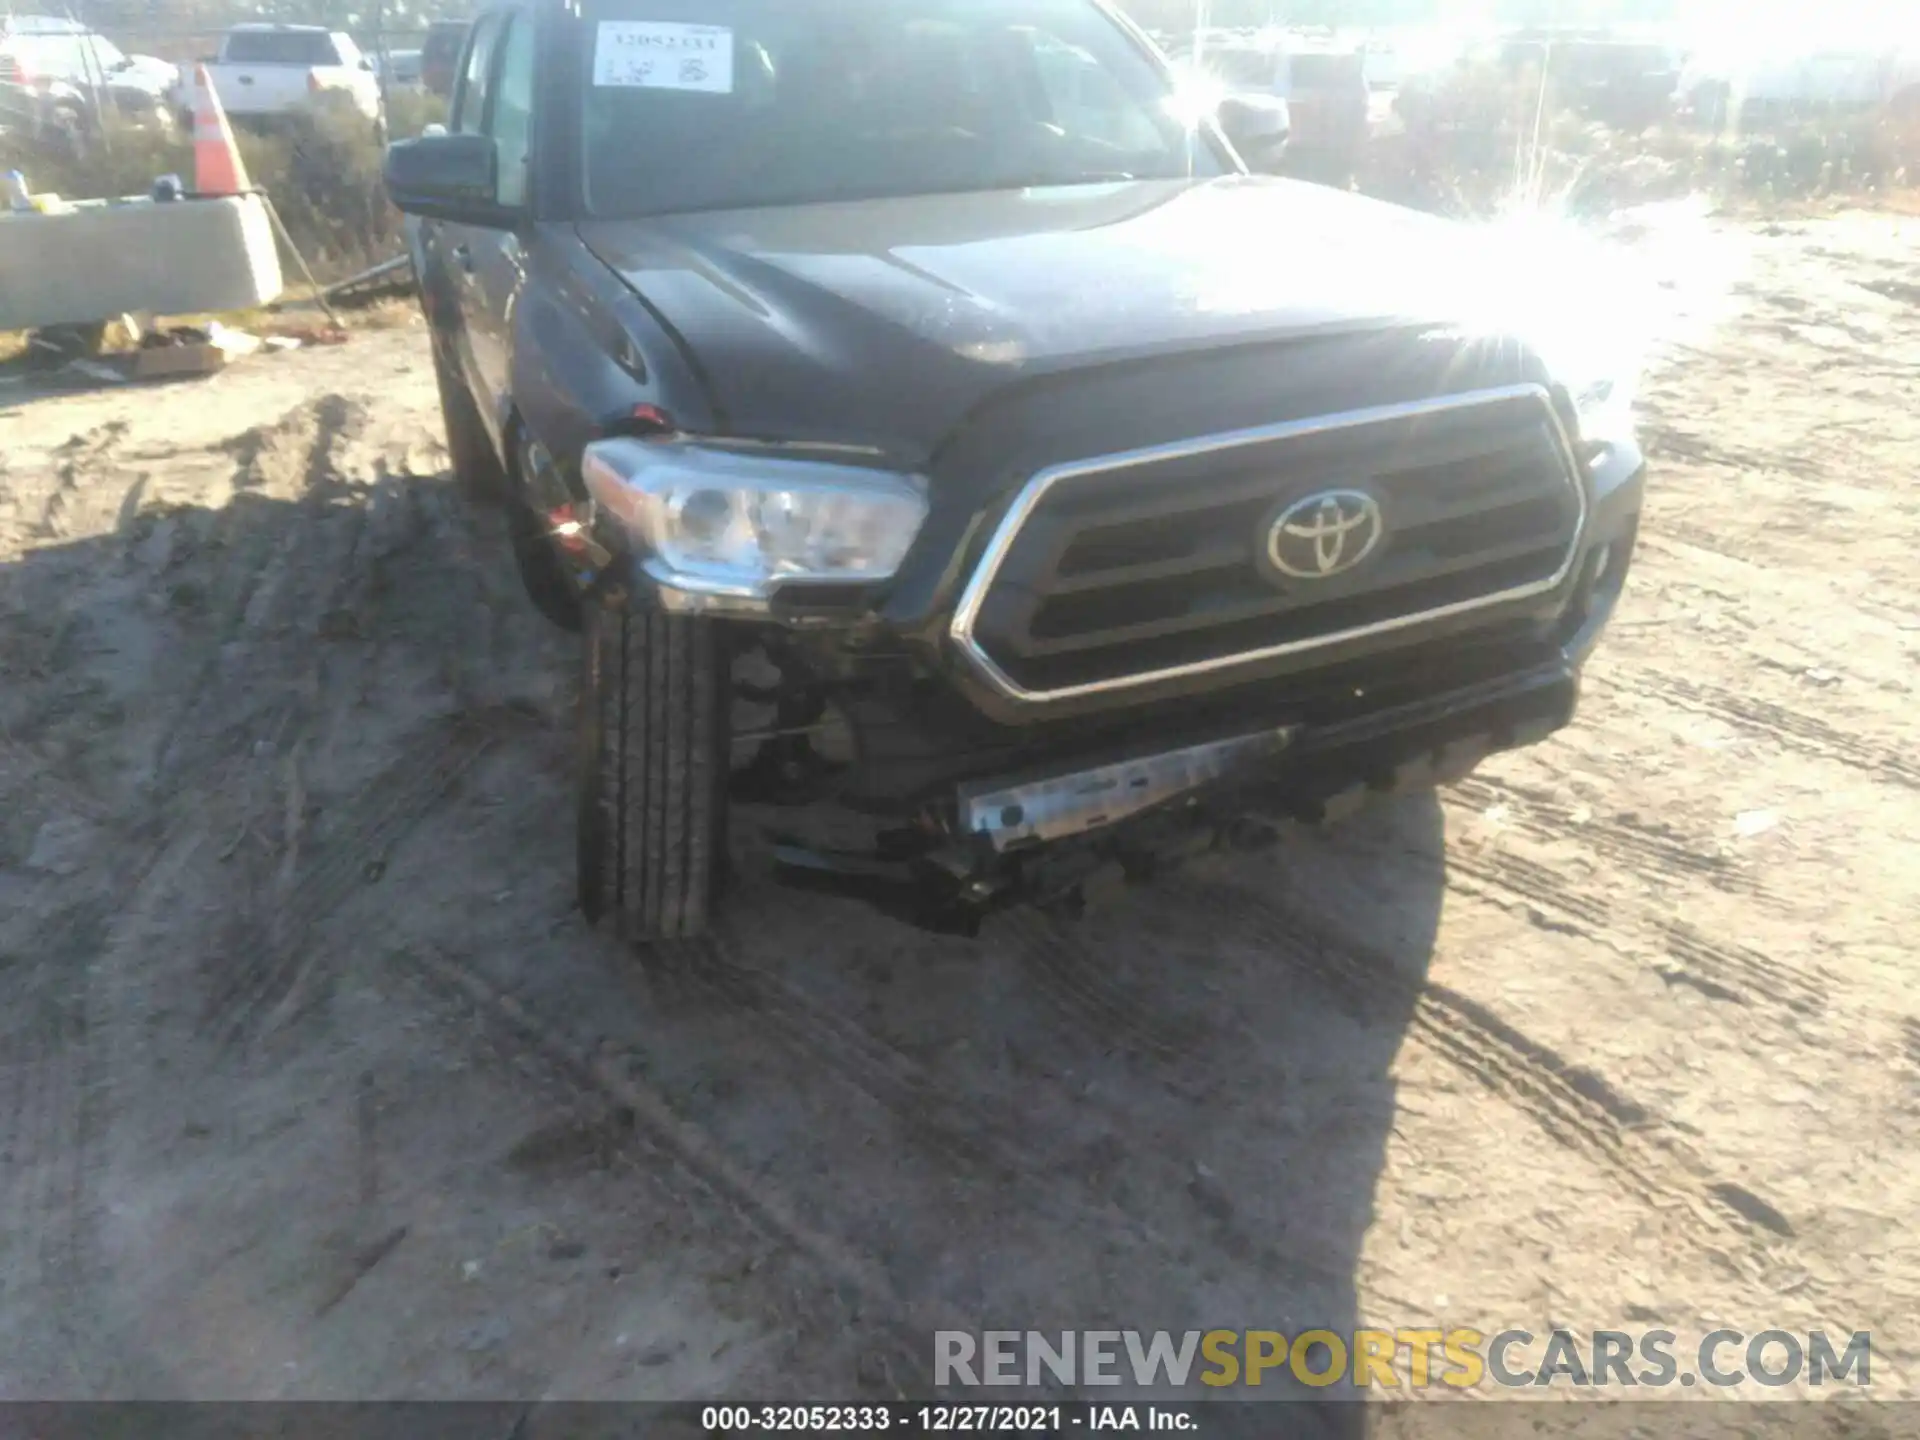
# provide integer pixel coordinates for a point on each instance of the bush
(1477, 143)
(321, 165)
(410, 111)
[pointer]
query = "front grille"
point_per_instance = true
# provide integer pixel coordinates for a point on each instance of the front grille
(1120, 570)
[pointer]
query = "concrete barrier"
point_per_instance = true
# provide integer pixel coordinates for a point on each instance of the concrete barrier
(111, 257)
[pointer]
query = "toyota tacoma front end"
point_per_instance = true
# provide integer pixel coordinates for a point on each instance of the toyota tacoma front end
(1024, 514)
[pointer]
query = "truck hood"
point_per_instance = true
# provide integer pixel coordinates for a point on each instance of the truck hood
(884, 322)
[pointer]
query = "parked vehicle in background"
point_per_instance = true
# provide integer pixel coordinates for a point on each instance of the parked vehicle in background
(1236, 69)
(1399, 56)
(60, 81)
(1628, 84)
(1385, 67)
(1322, 80)
(1754, 91)
(440, 54)
(266, 72)
(1328, 93)
(401, 67)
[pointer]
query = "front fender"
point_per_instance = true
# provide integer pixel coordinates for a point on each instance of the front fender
(586, 353)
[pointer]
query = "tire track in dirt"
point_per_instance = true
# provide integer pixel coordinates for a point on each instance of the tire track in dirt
(710, 1174)
(254, 570)
(972, 1133)
(1733, 972)
(1624, 838)
(1675, 951)
(822, 1037)
(1573, 1106)
(976, 1133)
(271, 959)
(50, 1124)
(36, 1131)
(1663, 534)
(1059, 963)
(58, 1080)
(1532, 885)
(1576, 1107)
(1806, 733)
(77, 458)
(25, 775)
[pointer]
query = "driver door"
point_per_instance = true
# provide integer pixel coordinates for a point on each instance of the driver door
(450, 268)
(498, 261)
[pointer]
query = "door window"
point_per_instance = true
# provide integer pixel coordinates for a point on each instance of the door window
(511, 119)
(470, 95)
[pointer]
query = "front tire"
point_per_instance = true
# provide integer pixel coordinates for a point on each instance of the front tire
(653, 749)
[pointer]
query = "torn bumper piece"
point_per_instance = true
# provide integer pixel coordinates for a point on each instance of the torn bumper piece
(1040, 837)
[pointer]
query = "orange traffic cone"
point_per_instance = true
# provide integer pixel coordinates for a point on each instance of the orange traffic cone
(217, 169)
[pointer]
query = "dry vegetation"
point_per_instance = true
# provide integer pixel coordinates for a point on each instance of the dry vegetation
(322, 168)
(1483, 143)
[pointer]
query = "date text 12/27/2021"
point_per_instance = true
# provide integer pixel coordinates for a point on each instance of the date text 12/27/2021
(909, 1419)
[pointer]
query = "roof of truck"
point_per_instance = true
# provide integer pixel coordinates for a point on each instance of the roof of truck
(40, 25)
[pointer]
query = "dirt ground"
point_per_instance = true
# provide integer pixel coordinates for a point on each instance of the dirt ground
(313, 1083)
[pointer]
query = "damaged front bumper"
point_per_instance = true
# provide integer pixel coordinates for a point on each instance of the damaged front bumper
(1048, 837)
(1076, 815)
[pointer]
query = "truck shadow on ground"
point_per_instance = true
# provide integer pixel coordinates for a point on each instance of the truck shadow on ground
(1171, 1115)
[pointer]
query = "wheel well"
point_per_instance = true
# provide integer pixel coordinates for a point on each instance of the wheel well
(512, 431)
(543, 497)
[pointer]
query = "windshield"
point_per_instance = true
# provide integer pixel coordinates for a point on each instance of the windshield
(725, 104)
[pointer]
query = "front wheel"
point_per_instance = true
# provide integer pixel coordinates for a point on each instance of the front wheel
(652, 749)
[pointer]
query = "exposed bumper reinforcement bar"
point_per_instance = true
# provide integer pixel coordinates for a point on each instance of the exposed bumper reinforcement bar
(1044, 838)
(1019, 814)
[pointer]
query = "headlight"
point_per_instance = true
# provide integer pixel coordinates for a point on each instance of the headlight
(716, 523)
(1605, 408)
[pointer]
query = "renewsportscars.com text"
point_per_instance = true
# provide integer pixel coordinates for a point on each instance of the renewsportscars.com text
(1459, 1359)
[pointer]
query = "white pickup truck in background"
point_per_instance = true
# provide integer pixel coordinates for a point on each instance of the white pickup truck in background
(265, 71)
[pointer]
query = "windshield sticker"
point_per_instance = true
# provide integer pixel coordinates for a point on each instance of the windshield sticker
(651, 55)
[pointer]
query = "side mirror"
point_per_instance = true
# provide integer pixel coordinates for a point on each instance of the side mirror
(1257, 126)
(447, 177)
(366, 64)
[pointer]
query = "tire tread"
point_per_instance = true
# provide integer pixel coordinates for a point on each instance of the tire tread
(660, 750)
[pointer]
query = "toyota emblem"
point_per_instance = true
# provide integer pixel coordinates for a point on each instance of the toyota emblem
(1325, 534)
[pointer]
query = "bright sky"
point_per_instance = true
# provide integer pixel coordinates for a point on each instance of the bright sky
(1814, 22)
(1761, 23)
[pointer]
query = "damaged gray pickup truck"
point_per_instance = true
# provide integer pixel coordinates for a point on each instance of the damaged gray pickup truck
(930, 424)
